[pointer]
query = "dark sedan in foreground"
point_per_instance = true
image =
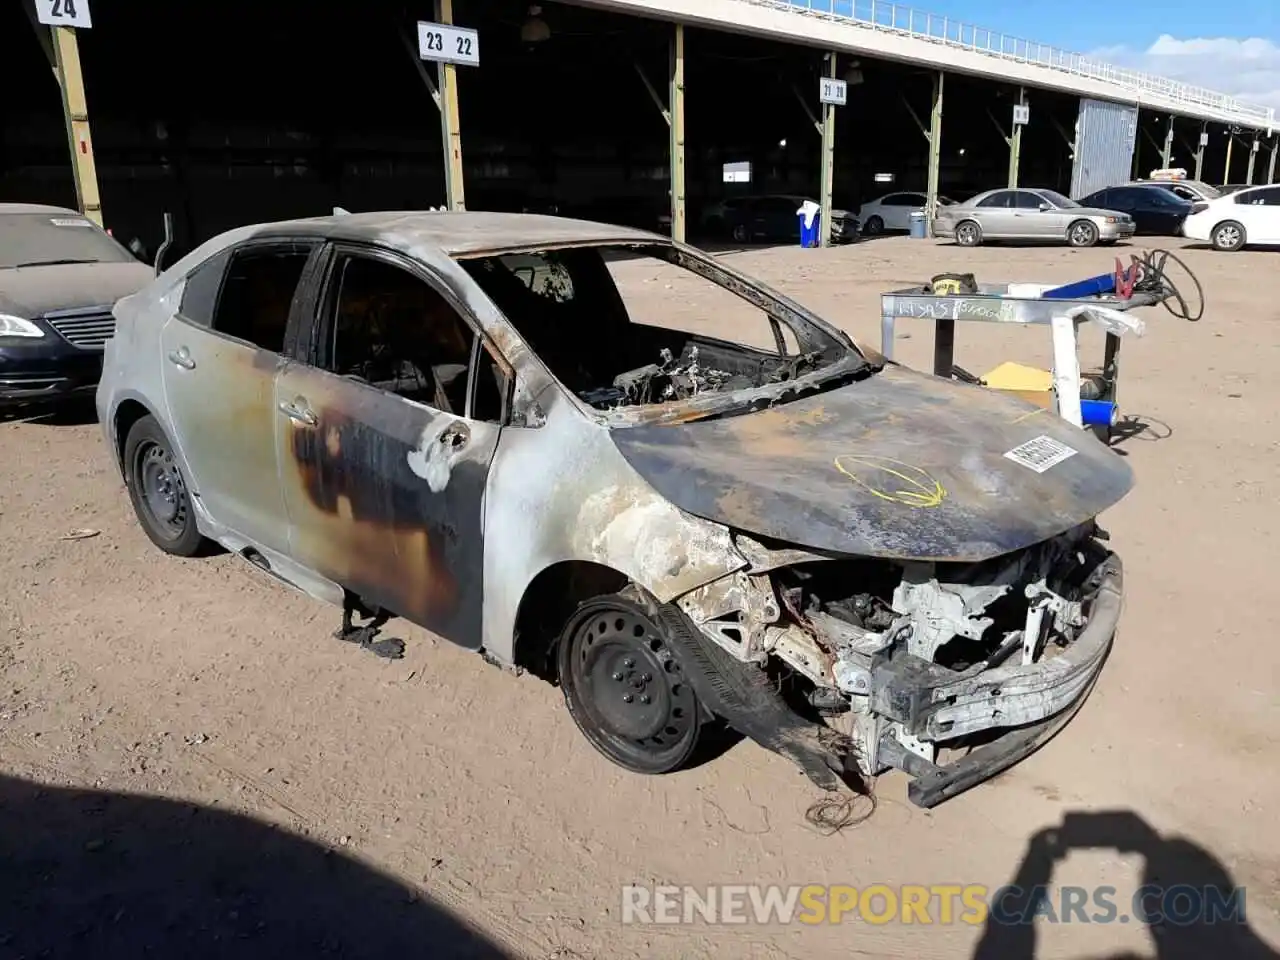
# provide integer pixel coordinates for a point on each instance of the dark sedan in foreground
(60, 275)
(1154, 210)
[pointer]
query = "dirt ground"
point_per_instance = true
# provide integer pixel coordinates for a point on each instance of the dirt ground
(188, 755)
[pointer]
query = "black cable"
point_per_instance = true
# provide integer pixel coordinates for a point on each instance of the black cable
(1155, 279)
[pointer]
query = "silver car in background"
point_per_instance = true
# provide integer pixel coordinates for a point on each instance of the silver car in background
(1029, 215)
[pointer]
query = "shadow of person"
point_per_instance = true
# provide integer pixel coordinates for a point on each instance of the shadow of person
(103, 875)
(1187, 899)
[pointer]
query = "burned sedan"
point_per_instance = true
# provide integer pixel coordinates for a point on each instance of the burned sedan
(462, 419)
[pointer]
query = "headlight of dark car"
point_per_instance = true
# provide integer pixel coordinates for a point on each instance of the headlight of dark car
(11, 326)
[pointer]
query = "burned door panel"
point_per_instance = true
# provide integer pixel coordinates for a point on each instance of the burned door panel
(384, 497)
(221, 398)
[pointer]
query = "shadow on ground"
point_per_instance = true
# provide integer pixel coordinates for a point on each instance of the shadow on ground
(95, 874)
(67, 413)
(1185, 898)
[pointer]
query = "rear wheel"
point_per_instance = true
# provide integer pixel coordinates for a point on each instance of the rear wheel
(624, 687)
(873, 227)
(968, 234)
(1228, 236)
(740, 234)
(159, 491)
(1082, 233)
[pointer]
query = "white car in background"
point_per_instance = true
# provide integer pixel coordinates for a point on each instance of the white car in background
(1248, 216)
(892, 212)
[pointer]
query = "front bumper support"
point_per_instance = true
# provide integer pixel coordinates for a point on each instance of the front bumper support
(1031, 702)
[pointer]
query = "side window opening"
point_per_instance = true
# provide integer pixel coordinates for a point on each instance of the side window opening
(257, 295)
(200, 294)
(996, 200)
(392, 330)
(623, 326)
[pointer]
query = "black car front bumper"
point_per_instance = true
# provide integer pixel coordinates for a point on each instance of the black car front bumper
(65, 362)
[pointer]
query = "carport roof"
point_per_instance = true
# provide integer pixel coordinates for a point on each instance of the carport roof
(462, 233)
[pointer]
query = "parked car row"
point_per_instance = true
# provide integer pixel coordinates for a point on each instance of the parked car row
(770, 218)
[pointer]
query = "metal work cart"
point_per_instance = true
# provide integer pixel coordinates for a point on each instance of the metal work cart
(1023, 303)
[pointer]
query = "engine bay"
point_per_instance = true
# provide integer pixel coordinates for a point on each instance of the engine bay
(698, 369)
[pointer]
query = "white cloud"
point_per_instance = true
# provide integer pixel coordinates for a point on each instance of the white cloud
(1245, 68)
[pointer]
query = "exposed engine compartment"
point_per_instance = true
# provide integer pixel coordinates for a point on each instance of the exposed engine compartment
(676, 378)
(831, 621)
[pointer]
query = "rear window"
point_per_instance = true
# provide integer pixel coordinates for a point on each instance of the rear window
(38, 239)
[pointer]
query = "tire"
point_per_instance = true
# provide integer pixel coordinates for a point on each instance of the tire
(873, 227)
(1082, 233)
(740, 234)
(968, 233)
(626, 689)
(158, 490)
(1228, 236)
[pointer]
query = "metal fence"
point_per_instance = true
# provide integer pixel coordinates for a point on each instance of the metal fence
(907, 21)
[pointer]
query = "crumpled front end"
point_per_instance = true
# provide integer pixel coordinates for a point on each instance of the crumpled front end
(913, 661)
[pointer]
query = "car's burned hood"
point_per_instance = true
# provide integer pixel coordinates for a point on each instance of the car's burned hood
(897, 465)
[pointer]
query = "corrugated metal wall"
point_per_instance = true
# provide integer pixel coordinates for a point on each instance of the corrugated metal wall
(1105, 136)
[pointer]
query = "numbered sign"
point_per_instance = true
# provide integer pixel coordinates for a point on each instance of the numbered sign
(64, 13)
(833, 91)
(446, 43)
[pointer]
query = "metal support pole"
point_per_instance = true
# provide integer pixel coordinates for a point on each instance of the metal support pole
(75, 109)
(1204, 129)
(828, 159)
(1015, 144)
(1271, 167)
(1253, 156)
(935, 150)
(675, 101)
(450, 122)
(1166, 155)
(1226, 173)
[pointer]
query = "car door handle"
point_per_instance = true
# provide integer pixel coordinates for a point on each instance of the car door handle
(299, 412)
(182, 358)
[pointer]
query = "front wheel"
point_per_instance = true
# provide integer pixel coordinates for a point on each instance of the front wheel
(1082, 233)
(624, 687)
(740, 233)
(159, 491)
(1228, 236)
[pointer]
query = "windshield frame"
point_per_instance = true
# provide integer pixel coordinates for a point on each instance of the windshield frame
(809, 329)
(19, 227)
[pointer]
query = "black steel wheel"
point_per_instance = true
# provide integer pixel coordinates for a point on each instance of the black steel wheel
(159, 491)
(625, 689)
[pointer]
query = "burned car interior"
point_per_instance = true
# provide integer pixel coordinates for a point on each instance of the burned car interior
(567, 306)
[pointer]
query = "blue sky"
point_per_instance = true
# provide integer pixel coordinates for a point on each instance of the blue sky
(1085, 25)
(1228, 46)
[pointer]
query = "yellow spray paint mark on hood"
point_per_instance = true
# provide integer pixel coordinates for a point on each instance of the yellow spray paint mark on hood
(893, 480)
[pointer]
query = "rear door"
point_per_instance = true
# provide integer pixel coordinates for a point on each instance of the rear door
(898, 215)
(995, 214)
(222, 351)
(387, 427)
(1259, 210)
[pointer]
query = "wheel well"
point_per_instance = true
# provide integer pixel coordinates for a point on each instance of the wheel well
(548, 602)
(972, 222)
(127, 414)
(1072, 225)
